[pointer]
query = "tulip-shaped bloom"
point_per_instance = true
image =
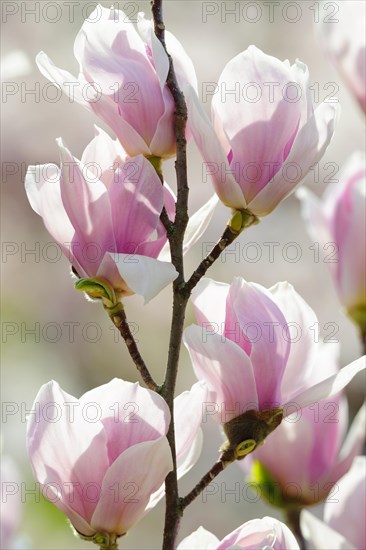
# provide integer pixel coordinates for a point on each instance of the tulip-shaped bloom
(344, 517)
(257, 533)
(101, 457)
(343, 39)
(255, 350)
(122, 79)
(104, 212)
(338, 224)
(266, 135)
(302, 461)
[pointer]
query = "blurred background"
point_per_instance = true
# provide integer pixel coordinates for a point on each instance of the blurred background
(49, 331)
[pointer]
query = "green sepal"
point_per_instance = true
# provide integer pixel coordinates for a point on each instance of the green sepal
(269, 488)
(105, 541)
(157, 164)
(358, 316)
(98, 288)
(242, 219)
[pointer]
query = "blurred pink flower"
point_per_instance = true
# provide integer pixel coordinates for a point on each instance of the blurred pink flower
(339, 220)
(344, 517)
(256, 533)
(266, 135)
(11, 503)
(122, 76)
(304, 456)
(104, 212)
(255, 350)
(343, 38)
(101, 457)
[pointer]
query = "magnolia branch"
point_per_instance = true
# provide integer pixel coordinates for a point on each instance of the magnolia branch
(176, 236)
(216, 469)
(226, 239)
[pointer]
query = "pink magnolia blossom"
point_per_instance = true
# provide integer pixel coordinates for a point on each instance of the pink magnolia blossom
(122, 79)
(342, 36)
(344, 517)
(258, 149)
(338, 224)
(255, 350)
(305, 456)
(104, 212)
(101, 457)
(252, 535)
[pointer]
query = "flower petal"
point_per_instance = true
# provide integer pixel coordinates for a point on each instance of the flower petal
(226, 369)
(136, 198)
(60, 442)
(321, 537)
(216, 164)
(308, 148)
(87, 205)
(140, 274)
(198, 223)
(129, 482)
(260, 131)
(255, 307)
(300, 321)
(42, 185)
(209, 300)
(137, 414)
(330, 386)
(201, 538)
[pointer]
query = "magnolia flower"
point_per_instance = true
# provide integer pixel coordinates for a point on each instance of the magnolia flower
(255, 350)
(265, 134)
(313, 441)
(342, 36)
(344, 517)
(338, 223)
(104, 212)
(257, 533)
(101, 457)
(122, 79)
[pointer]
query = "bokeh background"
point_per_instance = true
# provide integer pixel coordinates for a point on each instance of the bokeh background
(37, 290)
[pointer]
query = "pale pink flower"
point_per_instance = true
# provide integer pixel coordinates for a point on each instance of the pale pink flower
(265, 135)
(255, 350)
(104, 212)
(252, 535)
(344, 517)
(101, 457)
(122, 79)
(338, 223)
(308, 453)
(342, 36)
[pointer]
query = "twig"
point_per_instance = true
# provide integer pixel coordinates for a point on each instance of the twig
(216, 469)
(226, 239)
(180, 298)
(119, 319)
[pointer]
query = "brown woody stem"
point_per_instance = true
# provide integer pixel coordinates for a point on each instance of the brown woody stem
(119, 319)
